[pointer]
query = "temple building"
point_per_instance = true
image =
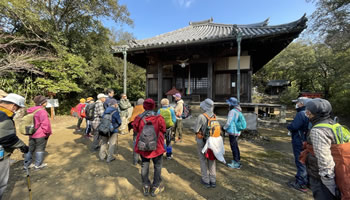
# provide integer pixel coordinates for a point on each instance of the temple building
(200, 60)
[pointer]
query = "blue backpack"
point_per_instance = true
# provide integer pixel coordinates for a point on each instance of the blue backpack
(241, 124)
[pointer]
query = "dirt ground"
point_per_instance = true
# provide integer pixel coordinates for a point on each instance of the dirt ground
(74, 172)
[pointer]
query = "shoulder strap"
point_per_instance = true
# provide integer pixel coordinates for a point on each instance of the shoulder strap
(37, 110)
(338, 136)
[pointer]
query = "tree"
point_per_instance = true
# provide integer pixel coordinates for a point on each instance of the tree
(331, 20)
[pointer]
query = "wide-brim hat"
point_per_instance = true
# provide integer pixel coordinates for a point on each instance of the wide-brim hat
(232, 101)
(15, 99)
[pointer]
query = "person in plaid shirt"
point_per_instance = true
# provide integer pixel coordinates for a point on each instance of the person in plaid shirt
(320, 165)
(99, 110)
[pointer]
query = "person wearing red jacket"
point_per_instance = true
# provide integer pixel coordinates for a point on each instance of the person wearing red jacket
(156, 155)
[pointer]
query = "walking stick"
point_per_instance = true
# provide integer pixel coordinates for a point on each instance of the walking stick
(29, 186)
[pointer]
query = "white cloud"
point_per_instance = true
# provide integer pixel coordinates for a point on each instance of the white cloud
(184, 3)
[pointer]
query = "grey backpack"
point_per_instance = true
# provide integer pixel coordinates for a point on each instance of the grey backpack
(148, 138)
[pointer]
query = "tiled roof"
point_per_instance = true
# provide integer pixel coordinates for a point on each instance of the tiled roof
(207, 31)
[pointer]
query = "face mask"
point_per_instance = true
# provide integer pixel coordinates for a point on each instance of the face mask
(296, 106)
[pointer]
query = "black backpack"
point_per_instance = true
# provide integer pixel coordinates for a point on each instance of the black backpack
(148, 137)
(90, 111)
(105, 128)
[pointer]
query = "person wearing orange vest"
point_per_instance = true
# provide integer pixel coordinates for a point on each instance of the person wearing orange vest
(138, 109)
(208, 166)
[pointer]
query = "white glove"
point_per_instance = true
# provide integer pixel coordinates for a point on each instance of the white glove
(329, 183)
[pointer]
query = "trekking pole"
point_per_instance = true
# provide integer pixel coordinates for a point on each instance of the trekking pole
(117, 142)
(29, 186)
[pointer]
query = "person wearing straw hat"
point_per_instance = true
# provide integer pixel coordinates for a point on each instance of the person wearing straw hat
(8, 138)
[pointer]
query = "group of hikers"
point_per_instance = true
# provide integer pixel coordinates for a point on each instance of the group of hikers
(318, 161)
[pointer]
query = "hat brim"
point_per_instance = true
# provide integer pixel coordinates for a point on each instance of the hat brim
(230, 103)
(295, 100)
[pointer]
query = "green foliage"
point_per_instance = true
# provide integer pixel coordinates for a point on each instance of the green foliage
(81, 63)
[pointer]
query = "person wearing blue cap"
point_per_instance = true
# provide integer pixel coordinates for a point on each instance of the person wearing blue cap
(231, 128)
(298, 129)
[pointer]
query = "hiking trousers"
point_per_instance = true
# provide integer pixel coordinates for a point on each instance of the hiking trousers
(208, 167)
(234, 148)
(96, 140)
(157, 163)
(178, 128)
(4, 174)
(108, 145)
(319, 190)
(297, 144)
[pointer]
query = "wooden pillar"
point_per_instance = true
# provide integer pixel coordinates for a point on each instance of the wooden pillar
(250, 83)
(147, 82)
(210, 79)
(160, 83)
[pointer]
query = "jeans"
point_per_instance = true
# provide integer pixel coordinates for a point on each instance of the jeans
(234, 148)
(157, 163)
(178, 128)
(319, 190)
(297, 143)
(4, 174)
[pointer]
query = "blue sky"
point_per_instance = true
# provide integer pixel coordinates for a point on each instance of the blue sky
(154, 17)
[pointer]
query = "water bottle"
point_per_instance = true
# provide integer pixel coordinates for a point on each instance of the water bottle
(2, 152)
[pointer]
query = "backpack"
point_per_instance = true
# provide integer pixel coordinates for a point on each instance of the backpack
(166, 114)
(82, 112)
(105, 128)
(27, 123)
(341, 133)
(148, 137)
(213, 128)
(186, 111)
(90, 111)
(241, 124)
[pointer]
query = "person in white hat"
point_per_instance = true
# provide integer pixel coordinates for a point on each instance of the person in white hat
(8, 138)
(298, 129)
(99, 110)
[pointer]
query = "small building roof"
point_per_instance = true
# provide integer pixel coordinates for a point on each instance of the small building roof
(207, 31)
(276, 83)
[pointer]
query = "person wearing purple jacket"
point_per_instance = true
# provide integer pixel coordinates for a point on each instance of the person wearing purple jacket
(38, 141)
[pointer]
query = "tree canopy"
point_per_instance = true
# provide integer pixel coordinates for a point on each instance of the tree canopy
(62, 47)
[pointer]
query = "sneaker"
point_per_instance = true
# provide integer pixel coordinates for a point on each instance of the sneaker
(207, 185)
(178, 140)
(297, 186)
(169, 157)
(212, 185)
(145, 190)
(234, 165)
(43, 165)
(157, 190)
(28, 167)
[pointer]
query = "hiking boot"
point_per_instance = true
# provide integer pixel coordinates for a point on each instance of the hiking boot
(145, 190)
(157, 190)
(297, 186)
(43, 165)
(212, 185)
(207, 185)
